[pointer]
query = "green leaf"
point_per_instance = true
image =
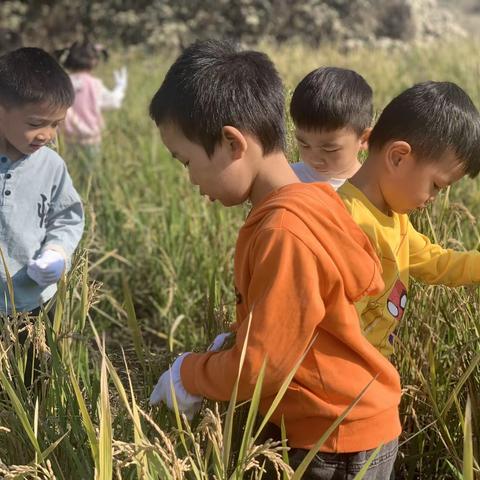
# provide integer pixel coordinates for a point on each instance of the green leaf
(365, 467)
(105, 469)
(468, 443)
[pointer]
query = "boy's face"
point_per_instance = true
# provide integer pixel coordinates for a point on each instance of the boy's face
(415, 184)
(331, 153)
(219, 177)
(23, 130)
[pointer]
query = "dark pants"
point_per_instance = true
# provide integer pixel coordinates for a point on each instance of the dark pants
(345, 466)
(336, 466)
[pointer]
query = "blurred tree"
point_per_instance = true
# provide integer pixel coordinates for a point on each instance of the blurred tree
(175, 23)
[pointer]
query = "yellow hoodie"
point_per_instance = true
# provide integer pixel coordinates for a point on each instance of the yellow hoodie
(300, 263)
(403, 252)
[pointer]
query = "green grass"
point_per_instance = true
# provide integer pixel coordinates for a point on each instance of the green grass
(154, 277)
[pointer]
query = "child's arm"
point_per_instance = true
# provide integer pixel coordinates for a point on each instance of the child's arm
(433, 264)
(286, 305)
(112, 99)
(63, 230)
(65, 218)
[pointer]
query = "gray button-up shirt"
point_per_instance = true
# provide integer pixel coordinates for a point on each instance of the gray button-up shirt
(39, 209)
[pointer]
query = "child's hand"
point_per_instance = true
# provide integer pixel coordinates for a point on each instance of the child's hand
(121, 78)
(187, 403)
(47, 268)
(219, 342)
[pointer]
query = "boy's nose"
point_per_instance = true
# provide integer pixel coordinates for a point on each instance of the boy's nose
(46, 135)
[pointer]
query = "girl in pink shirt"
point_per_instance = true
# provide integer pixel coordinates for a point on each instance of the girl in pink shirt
(84, 121)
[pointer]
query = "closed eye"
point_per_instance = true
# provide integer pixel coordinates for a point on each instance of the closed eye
(331, 150)
(44, 124)
(185, 164)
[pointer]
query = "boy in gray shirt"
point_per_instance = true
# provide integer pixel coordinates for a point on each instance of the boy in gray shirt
(41, 214)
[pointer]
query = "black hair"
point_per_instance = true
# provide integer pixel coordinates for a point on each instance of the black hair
(213, 84)
(31, 75)
(432, 117)
(80, 56)
(9, 40)
(330, 98)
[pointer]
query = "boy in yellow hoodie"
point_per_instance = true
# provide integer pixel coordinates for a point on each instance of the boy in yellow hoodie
(220, 112)
(426, 139)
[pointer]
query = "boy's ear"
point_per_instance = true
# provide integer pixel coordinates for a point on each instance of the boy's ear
(397, 154)
(364, 138)
(235, 140)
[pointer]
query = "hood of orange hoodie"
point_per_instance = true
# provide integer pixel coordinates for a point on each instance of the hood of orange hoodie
(322, 211)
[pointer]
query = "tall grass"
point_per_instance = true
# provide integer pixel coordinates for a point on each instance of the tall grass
(66, 427)
(154, 277)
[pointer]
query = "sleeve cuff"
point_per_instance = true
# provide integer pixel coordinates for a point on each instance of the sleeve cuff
(187, 373)
(55, 248)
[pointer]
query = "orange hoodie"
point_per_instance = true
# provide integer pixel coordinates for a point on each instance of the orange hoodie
(300, 263)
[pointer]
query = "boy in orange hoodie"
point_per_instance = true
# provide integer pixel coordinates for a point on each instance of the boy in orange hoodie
(220, 112)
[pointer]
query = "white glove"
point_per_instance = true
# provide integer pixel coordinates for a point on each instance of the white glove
(47, 268)
(121, 79)
(219, 341)
(187, 403)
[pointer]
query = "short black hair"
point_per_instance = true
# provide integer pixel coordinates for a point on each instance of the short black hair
(9, 40)
(82, 55)
(432, 117)
(330, 98)
(31, 75)
(213, 84)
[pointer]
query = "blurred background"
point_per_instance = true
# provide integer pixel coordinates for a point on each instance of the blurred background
(174, 23)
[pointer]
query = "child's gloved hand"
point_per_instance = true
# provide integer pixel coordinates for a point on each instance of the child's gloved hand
(121, 78)
(47, 268)
(219, 342)
(187, 403)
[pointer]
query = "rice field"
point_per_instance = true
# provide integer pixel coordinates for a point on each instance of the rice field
(153, 277)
